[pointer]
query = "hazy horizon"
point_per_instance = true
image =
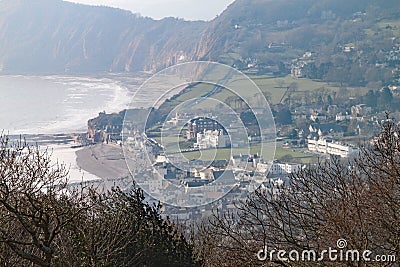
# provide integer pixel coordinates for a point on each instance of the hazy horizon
(158, 9)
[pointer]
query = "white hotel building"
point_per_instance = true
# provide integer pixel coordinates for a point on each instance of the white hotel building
(212, 139)
(328, 146)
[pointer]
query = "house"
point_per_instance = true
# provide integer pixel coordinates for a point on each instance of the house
(330, 129)
(307, 54)
(220, 164)
(201, 124)
(279, 168)
(206, 174)
(297, 69)
(171, 172)
(349, 48)
(297, 114)
(194, 172)
(212, 139)
(245, 162)
(342, 116)
(161, 159)
(394, 88)
(317, 117)
(360, 110)
(196, 183)
(177, 120)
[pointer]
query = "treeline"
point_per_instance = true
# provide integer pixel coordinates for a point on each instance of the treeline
(349, 73)
(46, 222)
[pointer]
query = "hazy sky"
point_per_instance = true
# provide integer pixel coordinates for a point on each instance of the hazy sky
(187, 9)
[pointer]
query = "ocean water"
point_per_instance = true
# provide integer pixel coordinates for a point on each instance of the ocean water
(56, 104)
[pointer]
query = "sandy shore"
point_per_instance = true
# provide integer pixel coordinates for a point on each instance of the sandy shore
(95, 162)
(103, 161)
(66, 155)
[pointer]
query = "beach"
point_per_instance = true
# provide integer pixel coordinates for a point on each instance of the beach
(84, 163)
(66, 155)
(105, 161)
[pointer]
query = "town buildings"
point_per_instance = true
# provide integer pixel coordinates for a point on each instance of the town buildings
(329, 146)
(201, 124)
(212, 139)
(279, 168)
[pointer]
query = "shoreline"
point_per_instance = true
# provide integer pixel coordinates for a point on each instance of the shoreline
(63, 104)
(92, 163)
(106, 161)
(62, 149)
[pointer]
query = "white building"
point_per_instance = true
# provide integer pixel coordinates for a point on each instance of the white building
(211, 139)
(342, 116)
(318, 117)
(327, 146)
(161, 159)
(285, 168)
(277, 168)
(360, 110)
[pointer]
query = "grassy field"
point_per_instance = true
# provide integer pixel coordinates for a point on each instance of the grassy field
(225, 154)
(382, 27)
(393, 28)
(302, 157)
(269, 85)
(274, 87)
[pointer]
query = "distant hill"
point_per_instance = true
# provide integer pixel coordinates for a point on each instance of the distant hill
(247, 27)
(41, 36)
(54, 36)
(352, 42)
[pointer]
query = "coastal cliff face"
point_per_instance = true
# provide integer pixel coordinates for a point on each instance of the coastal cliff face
(52, 36)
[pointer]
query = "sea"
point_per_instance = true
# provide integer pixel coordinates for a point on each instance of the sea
(56, 104)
